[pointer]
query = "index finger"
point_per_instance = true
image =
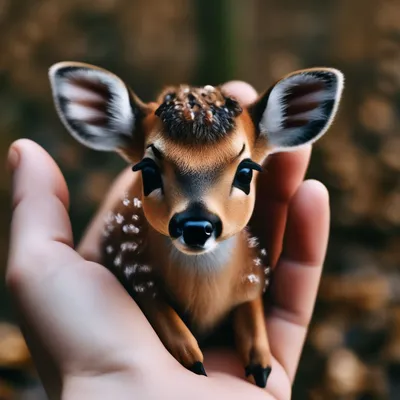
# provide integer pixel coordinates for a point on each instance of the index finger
(284, 172)
(40, 221)
(298, 273)
(41, 236)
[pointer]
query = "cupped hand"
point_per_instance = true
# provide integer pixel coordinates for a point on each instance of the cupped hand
(88, 338)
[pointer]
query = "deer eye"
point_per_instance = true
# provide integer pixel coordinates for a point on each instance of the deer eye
(151, 175)
(244, 175)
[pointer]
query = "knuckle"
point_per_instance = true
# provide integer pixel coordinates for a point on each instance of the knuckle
(22, 266)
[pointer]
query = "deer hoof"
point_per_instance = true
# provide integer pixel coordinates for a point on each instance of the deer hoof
(198, 368)
(259, 374)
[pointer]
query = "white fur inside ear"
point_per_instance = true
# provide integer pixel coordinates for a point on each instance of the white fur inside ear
(75, 93)
(93, 104)
(301, 107)
(79, 112)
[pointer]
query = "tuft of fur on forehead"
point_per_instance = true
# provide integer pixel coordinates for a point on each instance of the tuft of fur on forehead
(197, 115)
(206, 158)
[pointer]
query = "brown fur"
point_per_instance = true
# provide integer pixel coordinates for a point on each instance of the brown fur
(196, 138)
(206, 296)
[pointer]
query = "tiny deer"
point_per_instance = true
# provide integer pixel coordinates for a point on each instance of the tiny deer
(178, 240)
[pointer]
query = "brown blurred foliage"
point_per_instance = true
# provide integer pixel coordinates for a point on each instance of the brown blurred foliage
(353, 349)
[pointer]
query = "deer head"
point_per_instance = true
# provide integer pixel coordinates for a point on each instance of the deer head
(197, 149)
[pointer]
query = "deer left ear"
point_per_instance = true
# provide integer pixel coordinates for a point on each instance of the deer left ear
(298, 109)
(97, 107)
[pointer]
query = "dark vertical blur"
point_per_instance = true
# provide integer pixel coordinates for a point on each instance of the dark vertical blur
(353, 348)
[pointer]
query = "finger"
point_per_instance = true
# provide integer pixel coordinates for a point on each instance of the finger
(89, 246)
(40, 233)
(296, 278)
(40, 221)
(284, 172)
(243, 92)
(74, 313)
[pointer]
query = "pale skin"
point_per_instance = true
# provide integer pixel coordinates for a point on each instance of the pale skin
(90, 340)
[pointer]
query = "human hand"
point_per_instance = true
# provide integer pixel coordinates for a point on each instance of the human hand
(89, 339)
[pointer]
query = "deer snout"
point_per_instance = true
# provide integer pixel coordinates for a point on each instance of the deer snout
(196, 233)
(195, 227)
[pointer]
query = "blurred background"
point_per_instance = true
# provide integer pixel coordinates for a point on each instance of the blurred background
(353, 347)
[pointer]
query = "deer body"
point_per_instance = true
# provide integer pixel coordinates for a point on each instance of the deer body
(178, 239)
(207, 287)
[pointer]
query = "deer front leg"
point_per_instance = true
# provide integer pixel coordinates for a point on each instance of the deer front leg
(174, 334)
(252, 341)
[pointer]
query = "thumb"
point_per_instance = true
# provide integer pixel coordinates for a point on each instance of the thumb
(40, 233)
(39, 201)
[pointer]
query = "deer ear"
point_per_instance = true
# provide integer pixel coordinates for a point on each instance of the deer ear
(298, 109)
(95, 106)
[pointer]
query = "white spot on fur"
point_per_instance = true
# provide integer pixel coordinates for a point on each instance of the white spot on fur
(130, 270)
(139, 288)
(129, 246)
(130, 228)
(253, 242)
(108, 227)
(137, 203)
(267, 271)
(257, 261)
(119, 218)
(252, 278)
(118, 260)
(126, 202)
(109, 218)
(109, 249)
(263, 252)
(150, 283)
(135, 217)
(144, 268)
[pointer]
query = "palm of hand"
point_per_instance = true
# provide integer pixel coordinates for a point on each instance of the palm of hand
(90, 340)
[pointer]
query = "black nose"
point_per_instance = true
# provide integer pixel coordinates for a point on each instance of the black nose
(195, 225)
(196, 233)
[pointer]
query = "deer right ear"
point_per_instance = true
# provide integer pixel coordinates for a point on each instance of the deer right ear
(298, 109)
(96, 106)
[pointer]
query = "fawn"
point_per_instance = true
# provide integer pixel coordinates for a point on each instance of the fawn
(178, 239)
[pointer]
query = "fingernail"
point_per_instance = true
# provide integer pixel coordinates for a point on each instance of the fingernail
(12, 159)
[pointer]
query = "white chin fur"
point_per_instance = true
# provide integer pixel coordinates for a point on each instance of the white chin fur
(214, 258)
(210, 245)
